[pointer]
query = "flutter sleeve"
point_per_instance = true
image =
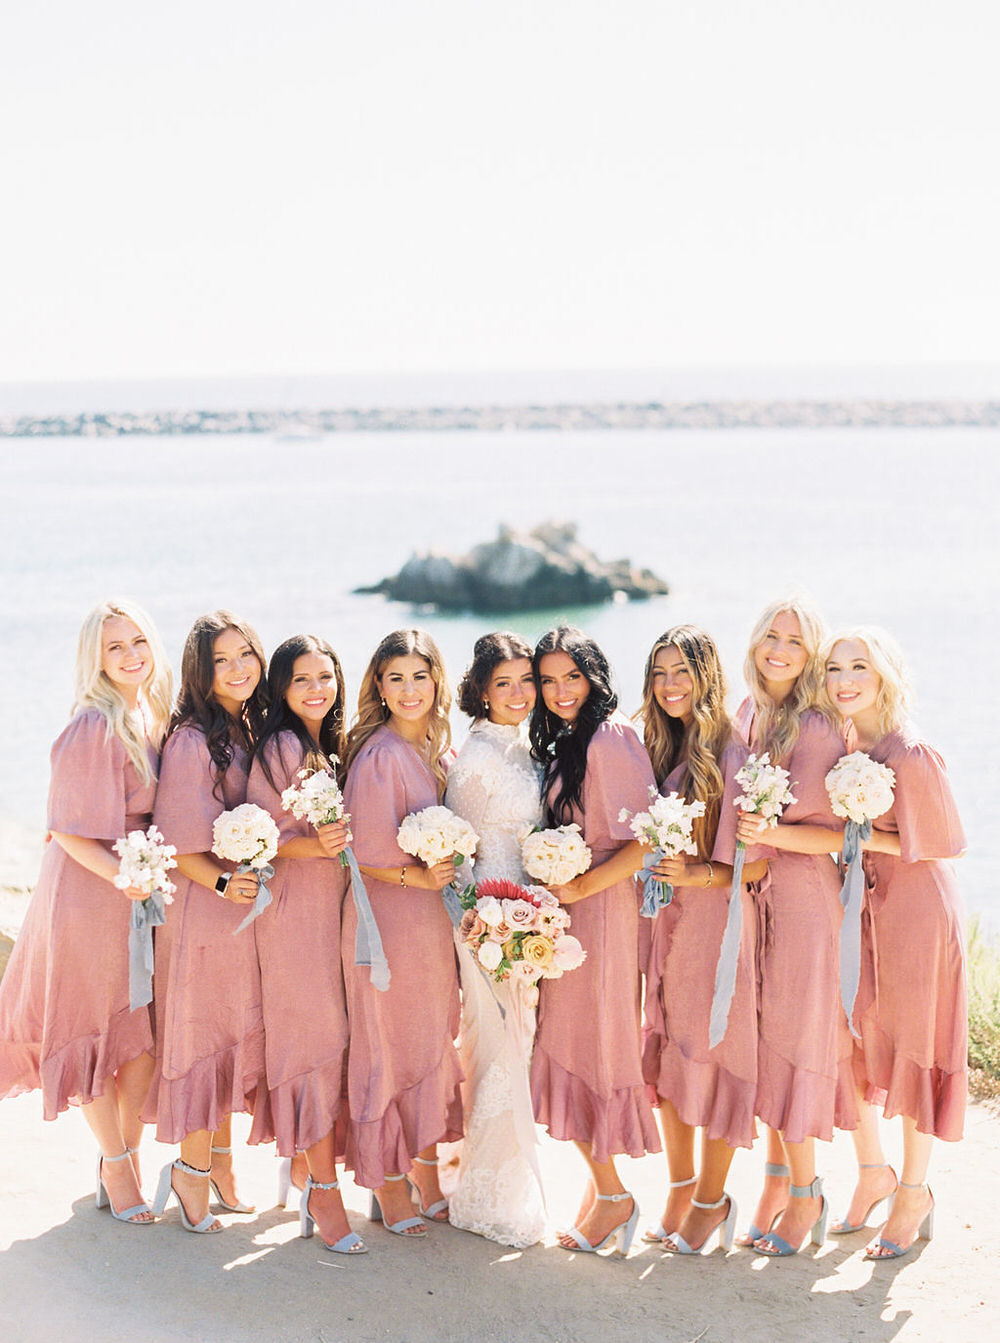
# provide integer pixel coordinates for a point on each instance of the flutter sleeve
(186, 806)
(926, 815)
(283, 756)
(734, 757)
(87, 789)
(376, 795)
(619, 775)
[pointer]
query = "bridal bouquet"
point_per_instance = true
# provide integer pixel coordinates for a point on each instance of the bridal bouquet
(248, 837)
(555, 856)
(765, 793)
(318, 800)
(434, 834)
(519, 933)
(860, 789)
(144, 861)
(667, 828)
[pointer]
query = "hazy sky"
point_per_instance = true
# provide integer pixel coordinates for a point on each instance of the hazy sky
(324, 186)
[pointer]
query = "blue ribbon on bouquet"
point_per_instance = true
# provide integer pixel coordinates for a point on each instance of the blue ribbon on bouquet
(368, 948)
(263, 897)
(655, 893)
(852, 895)
(729, 954)
(144, 917)
(452, 896)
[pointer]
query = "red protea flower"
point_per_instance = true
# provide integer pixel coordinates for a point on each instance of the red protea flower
(502, 889)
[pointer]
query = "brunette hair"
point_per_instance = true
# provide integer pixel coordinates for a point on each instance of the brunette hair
(489, 651)
(561, 746)
(699, 744)
(373, 713)
(93, 689)
(894, 698)
(280, 718)
(776, 726)
(196, 702)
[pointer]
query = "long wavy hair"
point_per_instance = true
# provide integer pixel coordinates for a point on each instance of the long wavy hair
(776, 726)
(701, 742)
(373, 712)
(93, 689)
(325, 755)
(489, 651)
(196, 702)
(895, 695)
(562, 746)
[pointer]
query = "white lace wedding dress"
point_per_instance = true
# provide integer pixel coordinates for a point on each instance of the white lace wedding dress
(494, 785)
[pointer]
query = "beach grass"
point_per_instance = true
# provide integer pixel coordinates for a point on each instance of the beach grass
(984, 1012)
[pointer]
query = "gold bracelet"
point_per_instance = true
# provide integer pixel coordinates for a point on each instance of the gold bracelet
(711, 873)
(402, 876)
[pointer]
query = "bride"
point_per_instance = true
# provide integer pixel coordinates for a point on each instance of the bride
(494, 784)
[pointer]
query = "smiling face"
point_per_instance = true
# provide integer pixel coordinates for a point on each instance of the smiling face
(126, 659)
(673, 686)
(237, 671)
(408, 688)
(781, 656)
(852, 682)
(312, 691)
(511, 692)
(564, 687)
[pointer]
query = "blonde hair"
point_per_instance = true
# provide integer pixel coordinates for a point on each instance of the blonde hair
(700, 744)
(892, 704)
(373, 713)
(776, 726)
(95, 691)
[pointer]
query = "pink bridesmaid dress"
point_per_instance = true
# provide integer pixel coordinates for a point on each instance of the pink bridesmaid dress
(710, 1088)
(914, 1028)
(206, 983)
(302, 983)
(403, 1070)
(805, 1083)
(586, 1073)
(65, 1023)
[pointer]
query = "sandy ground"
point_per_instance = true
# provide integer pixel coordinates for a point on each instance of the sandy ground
(69, 1271)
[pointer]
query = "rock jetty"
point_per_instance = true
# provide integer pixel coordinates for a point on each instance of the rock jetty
(519, 571)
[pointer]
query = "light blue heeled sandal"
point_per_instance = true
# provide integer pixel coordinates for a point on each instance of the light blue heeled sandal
(402, 1227)
(103, 1199)
(349, 1244)
(239, 1205)
(925, 1231)
(726, 1230)
(621, 1234)
(439, 1205)
(817, 1232)
(657, 1235)
(877, 1211)
(209, 1224)
(753, 1231)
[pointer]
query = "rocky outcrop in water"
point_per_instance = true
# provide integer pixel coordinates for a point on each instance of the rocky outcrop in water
(519, 571)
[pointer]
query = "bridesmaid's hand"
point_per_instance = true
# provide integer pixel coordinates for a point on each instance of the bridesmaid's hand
(133, 893)
(751, 828)
(242, 888)
(570, 893)
(672, 870)
(433, 878)
(334, 838)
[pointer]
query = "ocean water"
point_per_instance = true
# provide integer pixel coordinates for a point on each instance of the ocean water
(894, 527)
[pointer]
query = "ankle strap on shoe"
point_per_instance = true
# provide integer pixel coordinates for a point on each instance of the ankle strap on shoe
(778, 1171)
(682, 1184)
(190, 1170)
(873, 1165)
(902, 1184)
(614, 1198)
(707, 1207)
(314, 1184)
(391, 1179)
(123, 1156)
(221, 1151)
(425, 1160)
(814, 1190)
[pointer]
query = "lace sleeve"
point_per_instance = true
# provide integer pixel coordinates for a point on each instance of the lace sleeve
(468, 794)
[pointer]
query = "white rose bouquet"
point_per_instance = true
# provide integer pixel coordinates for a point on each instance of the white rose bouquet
(144, 861)
(555, 856)
(433, 835)
(860, 790)
(318, 800)
(667, 827)
(765, 793)
(248, 837)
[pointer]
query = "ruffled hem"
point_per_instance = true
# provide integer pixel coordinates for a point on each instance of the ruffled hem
(801, 1104)
(297, 1114)
(703, 1094)
(617, 1125)
(429, 1112)
(223, 1084)
(75, 1074)
(934, 1099)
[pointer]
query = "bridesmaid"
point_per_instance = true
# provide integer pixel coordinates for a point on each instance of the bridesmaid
(914, 1026)
(687, 734)
(65, 1022)
(403, 1070)
(804, 1084)
(494, 785)
(210, 1032)
(586, 1074)
(298, 936)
